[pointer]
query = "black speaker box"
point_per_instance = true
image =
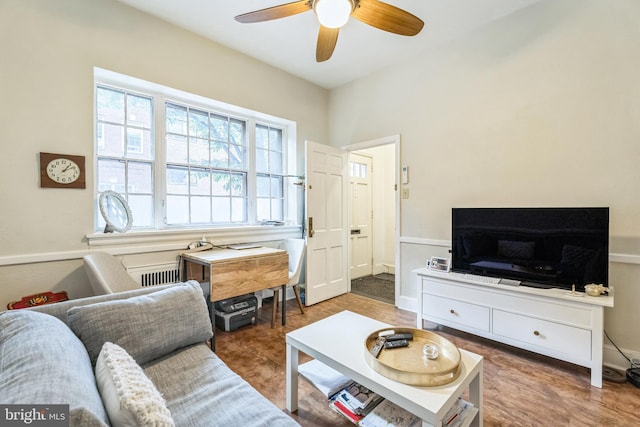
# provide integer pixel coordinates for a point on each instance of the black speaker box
(633, 376)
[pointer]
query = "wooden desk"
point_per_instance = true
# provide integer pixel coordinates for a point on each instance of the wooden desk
(234, 272)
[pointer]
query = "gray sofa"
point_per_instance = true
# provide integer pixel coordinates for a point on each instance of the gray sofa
(48, 355)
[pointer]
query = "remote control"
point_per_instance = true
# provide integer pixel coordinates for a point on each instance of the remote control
(377, 347)
(396, 344)
(396, 337)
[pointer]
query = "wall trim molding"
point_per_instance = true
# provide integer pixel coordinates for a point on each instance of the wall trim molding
(624, 258)
(163, 241)
(426, 242)
(620, 258)
(42, 257)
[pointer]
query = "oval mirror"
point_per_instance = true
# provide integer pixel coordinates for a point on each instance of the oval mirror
(115, 211)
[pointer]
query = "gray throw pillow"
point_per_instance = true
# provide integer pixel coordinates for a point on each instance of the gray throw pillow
(43, 362)
(146, 326)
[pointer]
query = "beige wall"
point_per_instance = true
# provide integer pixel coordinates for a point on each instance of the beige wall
(541, 108)
(47, 53)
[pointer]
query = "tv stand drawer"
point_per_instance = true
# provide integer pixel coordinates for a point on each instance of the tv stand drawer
(454, 311)
(573, 342)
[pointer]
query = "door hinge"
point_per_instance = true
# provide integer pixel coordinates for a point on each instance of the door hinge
(395, 187)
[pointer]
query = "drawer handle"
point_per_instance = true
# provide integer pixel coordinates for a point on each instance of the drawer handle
(536, 333)
(452, 311)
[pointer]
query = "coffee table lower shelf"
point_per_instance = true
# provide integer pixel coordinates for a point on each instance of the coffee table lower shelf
(337, 341)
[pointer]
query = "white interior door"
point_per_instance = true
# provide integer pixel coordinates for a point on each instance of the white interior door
(327, 231)
(360, 237)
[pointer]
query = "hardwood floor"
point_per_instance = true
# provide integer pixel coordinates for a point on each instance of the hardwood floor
(520, 388)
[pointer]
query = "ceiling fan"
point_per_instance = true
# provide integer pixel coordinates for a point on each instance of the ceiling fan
(333, 14)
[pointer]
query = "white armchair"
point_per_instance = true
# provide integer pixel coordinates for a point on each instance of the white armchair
(296, 249)
(107, 274)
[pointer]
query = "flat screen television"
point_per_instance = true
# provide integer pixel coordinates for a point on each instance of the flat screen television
(541, 247)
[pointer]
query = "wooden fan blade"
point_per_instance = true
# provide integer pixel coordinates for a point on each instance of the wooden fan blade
(387, 17)
(327, 38)
(275, 12)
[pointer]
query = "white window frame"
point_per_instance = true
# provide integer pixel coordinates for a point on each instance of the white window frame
(271, 174)
(161, 95)
(228, 169)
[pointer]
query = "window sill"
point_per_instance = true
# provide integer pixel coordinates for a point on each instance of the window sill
(166, 240)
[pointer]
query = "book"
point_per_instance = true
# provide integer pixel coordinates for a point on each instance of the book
(344, 409)
(457, 414)
(324, 378)
(358, 397)
(387, 414)
(355, 408)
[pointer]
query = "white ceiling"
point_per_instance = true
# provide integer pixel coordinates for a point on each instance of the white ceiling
(289, 43)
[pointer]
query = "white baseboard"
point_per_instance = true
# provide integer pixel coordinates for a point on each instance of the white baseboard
(382, 267)
(389, 268)
(614, 359)
(406, 303)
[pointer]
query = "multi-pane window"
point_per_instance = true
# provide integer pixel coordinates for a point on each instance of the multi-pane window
(206, 167)
(184, 164)
(357, 170)
(269, 171)
(125, 150)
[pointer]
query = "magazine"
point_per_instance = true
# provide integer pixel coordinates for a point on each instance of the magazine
(326, 379)
(355, 402)
(388, 414)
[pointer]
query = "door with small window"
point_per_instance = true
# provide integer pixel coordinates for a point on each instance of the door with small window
(360, 235)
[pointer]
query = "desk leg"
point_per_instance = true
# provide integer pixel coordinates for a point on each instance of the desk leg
(292, 378)
(284, 305)
(212, 316)
(184, 270)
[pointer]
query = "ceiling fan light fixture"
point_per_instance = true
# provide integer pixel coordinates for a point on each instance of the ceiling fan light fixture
(333, 13)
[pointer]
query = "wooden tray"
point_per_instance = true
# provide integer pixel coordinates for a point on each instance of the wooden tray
(408, 365)
(38, 299)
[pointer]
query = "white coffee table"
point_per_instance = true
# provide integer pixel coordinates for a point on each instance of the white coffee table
(338, 341)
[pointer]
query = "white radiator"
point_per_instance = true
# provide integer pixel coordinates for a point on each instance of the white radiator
(155, 274)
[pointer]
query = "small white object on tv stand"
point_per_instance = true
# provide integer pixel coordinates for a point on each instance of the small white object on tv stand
(439, 264)
(546, 321)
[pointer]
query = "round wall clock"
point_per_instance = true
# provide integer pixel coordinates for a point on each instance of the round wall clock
(62, 171)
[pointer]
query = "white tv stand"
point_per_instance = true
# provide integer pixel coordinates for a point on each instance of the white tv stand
(552, 322)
